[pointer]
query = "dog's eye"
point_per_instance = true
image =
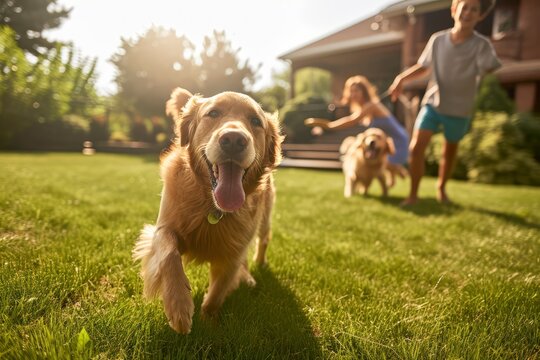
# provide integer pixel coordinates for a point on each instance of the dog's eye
(213, 113)
(255, 121)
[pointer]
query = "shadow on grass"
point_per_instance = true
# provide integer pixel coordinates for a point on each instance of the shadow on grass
(255, 323)
(424, 207)
(511, 218)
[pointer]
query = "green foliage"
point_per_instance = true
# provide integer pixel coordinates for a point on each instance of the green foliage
(271, 98)
(492, 97)
(220, 68)
(529, 125)
(313, 81)
(151, 66)
(41, 91)
(29, 18)
(496, 151)
(274, 97)
(296, 110)
(357, 278)
(67, 133)
(312, 87)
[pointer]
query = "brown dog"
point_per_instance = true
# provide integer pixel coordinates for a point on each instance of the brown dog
(217, 196)
(365, 158)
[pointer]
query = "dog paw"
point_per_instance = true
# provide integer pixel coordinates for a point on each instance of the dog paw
(180, 315)
(209, 313)
(181, 327)
(249, 280)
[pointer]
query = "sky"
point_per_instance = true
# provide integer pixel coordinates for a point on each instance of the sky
(262, 30)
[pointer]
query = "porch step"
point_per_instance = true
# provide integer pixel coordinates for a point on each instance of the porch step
(323, 153)
(313, 156)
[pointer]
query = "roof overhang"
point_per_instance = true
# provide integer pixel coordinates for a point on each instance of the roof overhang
(376, 40)
(415, 7)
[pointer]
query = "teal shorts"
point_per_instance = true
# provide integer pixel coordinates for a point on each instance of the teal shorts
(454, 127)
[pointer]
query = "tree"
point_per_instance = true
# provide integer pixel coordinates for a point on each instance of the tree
(150, 67)
(273, 97)
(314, 81)
(43, 91)
(220, 68)
(29, 18)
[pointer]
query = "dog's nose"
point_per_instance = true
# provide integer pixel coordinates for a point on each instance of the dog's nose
(372, 144)
(233, 142)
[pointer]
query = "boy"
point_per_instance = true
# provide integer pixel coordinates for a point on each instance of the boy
(457, 58)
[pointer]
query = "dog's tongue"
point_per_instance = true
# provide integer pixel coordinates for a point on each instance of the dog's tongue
(229, 193)
(370, 153)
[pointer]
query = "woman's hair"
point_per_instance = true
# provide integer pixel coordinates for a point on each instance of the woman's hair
(485, 5)
(362, 83)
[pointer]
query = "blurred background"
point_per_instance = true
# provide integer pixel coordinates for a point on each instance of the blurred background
(102, 70)
(75, 71)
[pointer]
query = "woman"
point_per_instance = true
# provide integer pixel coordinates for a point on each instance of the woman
(367, 110)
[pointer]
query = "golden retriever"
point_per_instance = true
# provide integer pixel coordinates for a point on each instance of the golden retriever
(217, 196)
(365, 157)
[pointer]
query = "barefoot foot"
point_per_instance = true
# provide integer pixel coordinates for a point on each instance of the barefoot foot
(409, 202)
(442, 197)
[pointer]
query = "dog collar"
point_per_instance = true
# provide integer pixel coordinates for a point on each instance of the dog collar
(214, 216)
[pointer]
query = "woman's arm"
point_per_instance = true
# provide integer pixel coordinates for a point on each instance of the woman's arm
(345, 122)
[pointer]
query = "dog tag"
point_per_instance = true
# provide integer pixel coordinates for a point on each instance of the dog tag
(214, 216)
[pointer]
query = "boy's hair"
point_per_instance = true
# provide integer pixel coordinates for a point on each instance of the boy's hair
(485, 5)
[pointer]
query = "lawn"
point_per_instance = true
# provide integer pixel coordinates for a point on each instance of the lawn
(347, 278)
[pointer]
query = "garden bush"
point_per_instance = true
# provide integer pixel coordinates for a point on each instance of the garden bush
(66, 134)
(500, 149)
(297, 110)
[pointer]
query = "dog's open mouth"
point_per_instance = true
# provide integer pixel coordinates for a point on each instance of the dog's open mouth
(226, 180)
(371, 152)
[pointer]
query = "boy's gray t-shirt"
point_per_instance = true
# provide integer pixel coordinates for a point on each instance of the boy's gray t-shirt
(456, 71)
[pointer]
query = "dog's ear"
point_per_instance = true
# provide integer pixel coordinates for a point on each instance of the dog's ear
(186, 122)
(273, 140)
(346, 144)
(390, 146)
(183, 107)
(174, 105)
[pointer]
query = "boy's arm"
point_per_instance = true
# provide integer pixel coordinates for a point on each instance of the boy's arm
(411, 73)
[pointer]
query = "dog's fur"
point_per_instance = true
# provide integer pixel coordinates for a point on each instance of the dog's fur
(224, 142)
(365, 157)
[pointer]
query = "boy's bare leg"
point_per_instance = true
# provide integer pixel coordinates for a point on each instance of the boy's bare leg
(418, 147)
(449, 154)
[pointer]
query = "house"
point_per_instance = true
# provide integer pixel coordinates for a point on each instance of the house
(383, 45)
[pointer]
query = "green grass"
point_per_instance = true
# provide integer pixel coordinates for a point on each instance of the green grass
(347, 279)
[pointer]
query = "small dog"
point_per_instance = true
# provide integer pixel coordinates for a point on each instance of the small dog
(218, 193)
(365, 158)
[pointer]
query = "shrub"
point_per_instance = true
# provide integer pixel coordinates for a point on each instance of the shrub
(41, 90)
(492, 97)
(497, 151)
(99, 128)
(67, 133)
(297, 110)
(530, 128)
